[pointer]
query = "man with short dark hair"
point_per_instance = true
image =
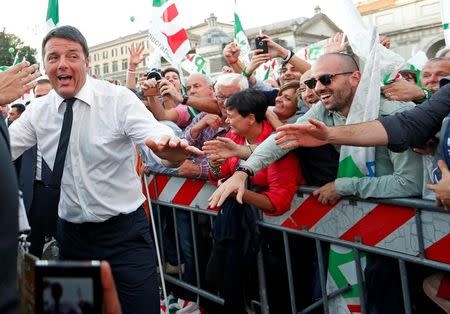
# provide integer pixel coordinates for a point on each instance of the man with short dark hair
(16, 111)
(92, 162)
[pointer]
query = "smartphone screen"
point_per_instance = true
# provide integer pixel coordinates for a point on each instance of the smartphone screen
(68, 287)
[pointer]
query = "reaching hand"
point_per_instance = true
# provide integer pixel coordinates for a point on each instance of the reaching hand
(315, 133)
(442, 188)
(385, 41)
(136, 56)
(402, 90)
(16, 81)
(221, 148)
(258, 58)
(327, 194)
(212, 120)
(231, 53)
(336, 44)
(172, 148)
(169, 90)
(235, 184)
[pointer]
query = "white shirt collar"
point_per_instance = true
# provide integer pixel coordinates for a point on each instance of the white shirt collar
(85, 94)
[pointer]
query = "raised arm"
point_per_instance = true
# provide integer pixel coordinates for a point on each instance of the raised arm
(135, 58)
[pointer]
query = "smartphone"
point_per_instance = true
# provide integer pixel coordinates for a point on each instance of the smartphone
(260, 44)
(68, 287)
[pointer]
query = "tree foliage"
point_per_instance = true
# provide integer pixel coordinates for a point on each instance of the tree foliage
(7, 41)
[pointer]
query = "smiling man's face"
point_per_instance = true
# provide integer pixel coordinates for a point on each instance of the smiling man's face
(66, 66)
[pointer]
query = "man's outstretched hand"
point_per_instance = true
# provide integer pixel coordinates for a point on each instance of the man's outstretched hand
(312, 134)
(172, 148)
(16, 81)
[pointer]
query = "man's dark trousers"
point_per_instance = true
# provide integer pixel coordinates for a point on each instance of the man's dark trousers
(125, 242)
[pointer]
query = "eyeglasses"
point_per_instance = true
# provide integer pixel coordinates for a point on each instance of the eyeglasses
(324, 79)
(221, 97)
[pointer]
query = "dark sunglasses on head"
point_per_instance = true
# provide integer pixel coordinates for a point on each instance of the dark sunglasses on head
(324, 79)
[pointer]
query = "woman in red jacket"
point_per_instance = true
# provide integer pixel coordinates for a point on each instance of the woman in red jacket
(277, 183)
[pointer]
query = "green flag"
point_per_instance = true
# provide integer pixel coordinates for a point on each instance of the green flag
(241, 39)
(52, 19)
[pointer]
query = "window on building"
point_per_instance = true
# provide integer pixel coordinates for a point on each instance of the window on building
(95, 56)
(115, 66)
(97, 70)
(105, 68)
(123, 50)
(113, 52)
(105, 54)
(124, 64)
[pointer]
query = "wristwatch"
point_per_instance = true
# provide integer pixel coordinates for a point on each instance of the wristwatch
(185, 99)
(248, 171)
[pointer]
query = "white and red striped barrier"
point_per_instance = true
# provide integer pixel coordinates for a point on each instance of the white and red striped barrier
(384, 226)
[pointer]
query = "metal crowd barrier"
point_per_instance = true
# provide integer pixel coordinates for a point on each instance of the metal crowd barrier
(408, 230)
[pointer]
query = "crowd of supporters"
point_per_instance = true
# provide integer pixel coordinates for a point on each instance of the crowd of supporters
(234, 119)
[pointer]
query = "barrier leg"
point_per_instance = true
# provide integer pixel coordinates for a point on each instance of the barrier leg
(194, 244)
(360, 279)
(323, 276)
(405, 288)
(155, 236)
(177, 242)
(287, 255)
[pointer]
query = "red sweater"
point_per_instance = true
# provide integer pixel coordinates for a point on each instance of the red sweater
(279, 181)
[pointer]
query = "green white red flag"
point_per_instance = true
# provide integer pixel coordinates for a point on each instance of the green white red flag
(268, 70)
(312, 52)
(167, 33)
(195, 63)
(52, 19)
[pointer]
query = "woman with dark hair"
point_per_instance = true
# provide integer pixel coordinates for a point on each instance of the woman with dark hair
(277, 184)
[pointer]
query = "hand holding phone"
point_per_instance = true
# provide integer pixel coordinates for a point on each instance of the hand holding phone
(261, 44)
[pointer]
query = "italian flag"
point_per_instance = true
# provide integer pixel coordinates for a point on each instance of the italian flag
(195, 63)
(52, 19)
(166, 33)
(312, 52)
(241, 39)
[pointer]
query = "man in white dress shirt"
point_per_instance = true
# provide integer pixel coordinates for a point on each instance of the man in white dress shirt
(100, 199)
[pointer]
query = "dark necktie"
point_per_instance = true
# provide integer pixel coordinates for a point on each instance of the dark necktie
(63, 143)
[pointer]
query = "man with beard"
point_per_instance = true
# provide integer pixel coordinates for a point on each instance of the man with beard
(335, 78)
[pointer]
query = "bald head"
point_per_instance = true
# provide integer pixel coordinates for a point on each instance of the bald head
(346, 62)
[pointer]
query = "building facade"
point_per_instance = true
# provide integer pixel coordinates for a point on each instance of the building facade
(412, 25)
(109, 60)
